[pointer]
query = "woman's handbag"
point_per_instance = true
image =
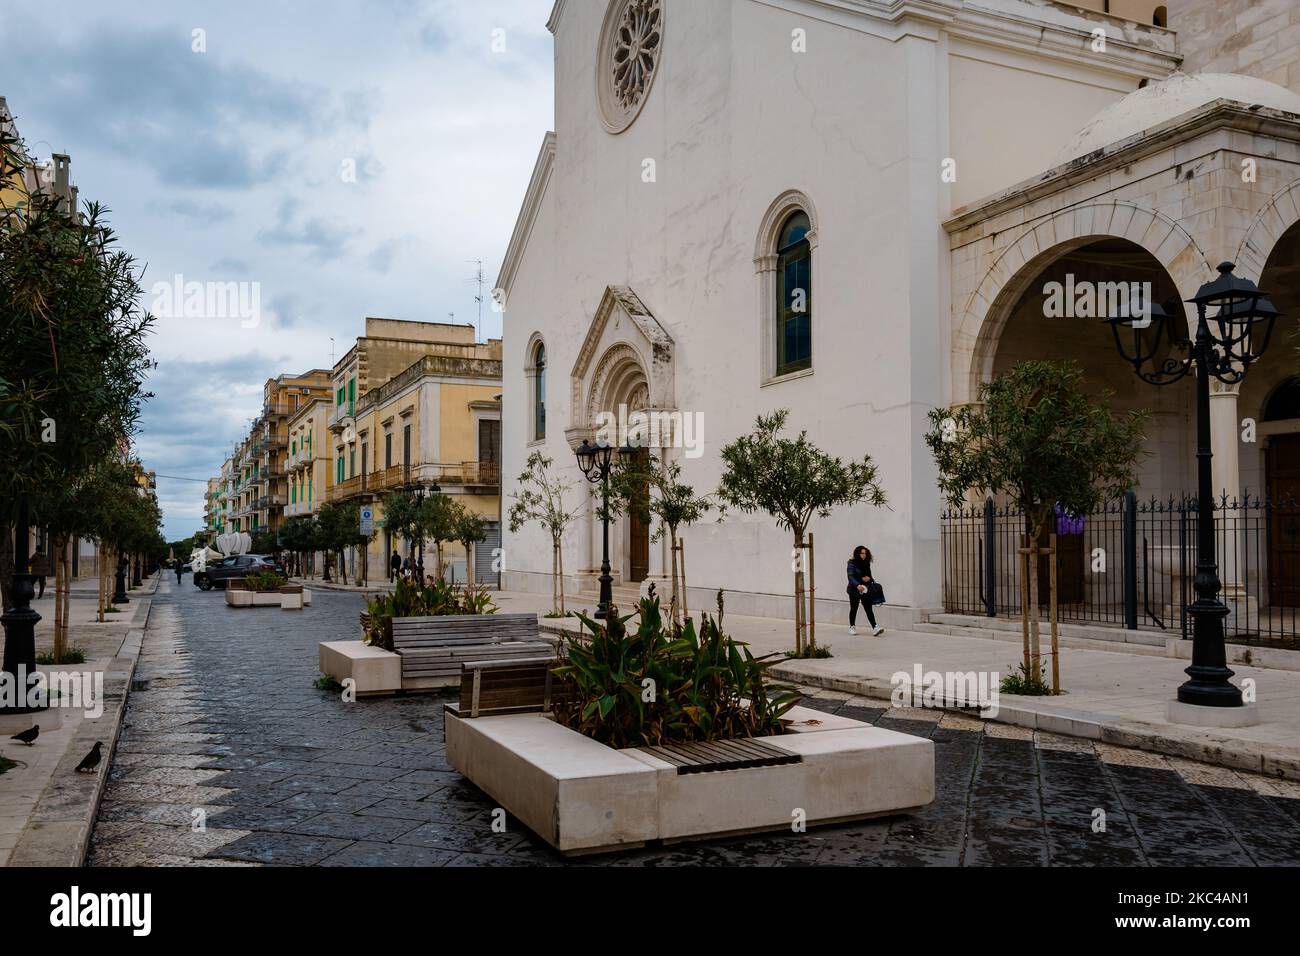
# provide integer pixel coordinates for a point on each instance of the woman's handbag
(875, 593)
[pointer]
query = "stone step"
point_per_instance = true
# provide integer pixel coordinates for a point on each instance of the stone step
(1092, 632)
(1014, 637)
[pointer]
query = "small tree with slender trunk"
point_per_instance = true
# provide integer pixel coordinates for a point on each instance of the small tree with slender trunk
(1038, 437)
(402, 516)
(470, 529)
(654, 492)
(792, 480)
(542, 498)
(439, 518)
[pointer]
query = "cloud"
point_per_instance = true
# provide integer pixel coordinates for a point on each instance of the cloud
(325, 240)
(200, 410)
(197, 211)
(196, 119)
(225, 166)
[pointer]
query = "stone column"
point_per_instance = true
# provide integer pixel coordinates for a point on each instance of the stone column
(1225, 443)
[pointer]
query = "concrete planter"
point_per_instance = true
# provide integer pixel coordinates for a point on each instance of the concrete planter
(584, 797)
(291, 598)
(246, 598)
(375, 671)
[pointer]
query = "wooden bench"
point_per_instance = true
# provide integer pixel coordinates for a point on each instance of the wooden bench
(492, 688)
(434, 648)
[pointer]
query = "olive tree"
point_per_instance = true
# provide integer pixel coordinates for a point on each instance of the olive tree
(793, 481)
(1039, 438)
(654, 492)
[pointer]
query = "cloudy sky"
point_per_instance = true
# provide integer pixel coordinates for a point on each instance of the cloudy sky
(348, 158)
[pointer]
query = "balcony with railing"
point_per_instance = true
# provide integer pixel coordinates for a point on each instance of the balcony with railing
(342, 414)
(279, 409)
(348, 489)
(465, 474)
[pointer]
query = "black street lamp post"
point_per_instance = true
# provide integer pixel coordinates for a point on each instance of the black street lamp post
(20, 620)
(1224, 347)
(596, 462)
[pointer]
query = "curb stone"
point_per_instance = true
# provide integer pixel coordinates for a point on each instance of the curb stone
(58, 830)
(1172, 741)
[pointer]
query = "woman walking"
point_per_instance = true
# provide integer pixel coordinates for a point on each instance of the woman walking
(860, 579)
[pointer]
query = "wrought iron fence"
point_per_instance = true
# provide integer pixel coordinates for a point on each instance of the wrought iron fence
(1132, 564)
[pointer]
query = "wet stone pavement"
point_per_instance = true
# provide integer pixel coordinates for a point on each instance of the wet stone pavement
(230, 757)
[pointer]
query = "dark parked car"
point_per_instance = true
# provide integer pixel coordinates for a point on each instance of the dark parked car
(236, 567)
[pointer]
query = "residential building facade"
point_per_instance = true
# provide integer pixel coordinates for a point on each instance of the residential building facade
(416, 406)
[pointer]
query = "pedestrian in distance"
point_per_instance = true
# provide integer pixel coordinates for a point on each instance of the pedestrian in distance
(395, 565)
(180, 571)
(40, 566)
(863, 589)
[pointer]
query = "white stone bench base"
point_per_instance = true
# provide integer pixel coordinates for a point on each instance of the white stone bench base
(583, 797)
(375, 671)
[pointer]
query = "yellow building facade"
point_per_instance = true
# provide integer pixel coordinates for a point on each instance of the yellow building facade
(309, 478)
(417, 405)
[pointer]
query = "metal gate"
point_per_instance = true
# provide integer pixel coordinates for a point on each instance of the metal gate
(486, 568)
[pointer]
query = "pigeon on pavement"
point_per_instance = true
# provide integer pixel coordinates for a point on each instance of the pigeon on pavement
(91, 760)
(29, 735)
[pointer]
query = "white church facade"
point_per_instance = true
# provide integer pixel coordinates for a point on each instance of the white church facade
(914, 173)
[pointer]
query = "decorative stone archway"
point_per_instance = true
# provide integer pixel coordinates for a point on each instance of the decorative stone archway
(625, 366)
(1280, 213)
(987, 307)
(625, 341)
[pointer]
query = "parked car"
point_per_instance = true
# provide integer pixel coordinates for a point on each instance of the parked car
(235, 567)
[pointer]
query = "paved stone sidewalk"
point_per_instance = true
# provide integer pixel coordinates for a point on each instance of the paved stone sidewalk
(226, 729)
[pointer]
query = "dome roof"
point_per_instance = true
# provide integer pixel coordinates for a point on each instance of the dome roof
(1160, 102)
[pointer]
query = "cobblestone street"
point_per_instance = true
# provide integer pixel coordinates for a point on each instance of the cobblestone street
(225, 728)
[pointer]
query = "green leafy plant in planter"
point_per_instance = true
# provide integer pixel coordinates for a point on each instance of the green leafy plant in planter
(410, 599)
(73, 655)
(264, 582)
(661, 684)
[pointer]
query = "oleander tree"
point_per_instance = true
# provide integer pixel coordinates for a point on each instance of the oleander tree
(1038, 437)
(793, 481)
(75, 359)
(73, 365)
(543, 499)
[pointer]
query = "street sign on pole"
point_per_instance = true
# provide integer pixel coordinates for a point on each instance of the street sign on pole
(367, 520)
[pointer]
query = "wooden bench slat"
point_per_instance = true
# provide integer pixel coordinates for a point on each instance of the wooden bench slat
(715, 755)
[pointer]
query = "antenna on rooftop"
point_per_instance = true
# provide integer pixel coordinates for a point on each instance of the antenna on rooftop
(478, 277)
